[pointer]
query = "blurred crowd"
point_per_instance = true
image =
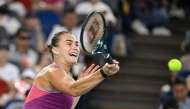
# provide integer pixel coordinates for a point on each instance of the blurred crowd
(176, 94)
(27, 26)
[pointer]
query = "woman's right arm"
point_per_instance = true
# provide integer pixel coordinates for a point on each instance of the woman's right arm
(67, 85)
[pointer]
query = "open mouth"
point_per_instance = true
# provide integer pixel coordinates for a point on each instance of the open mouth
(73, 54)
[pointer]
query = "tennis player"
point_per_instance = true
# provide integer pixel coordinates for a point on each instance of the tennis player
(53, 88)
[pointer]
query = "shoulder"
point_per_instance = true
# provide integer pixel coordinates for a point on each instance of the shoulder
(84, 8)
(52, 72)
(188, 99)
(32, 52)
(84, 3)
(58, 27)
(100, 3)
(12, 67)
(55, 72)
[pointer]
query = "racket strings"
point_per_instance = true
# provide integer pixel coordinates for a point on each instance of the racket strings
(93, 32)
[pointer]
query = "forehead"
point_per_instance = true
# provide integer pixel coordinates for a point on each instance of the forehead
(68, 14)
(67, 36)
(179, 86)
(24, 33)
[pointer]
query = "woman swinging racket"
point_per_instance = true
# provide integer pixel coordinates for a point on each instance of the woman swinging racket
(53, 88)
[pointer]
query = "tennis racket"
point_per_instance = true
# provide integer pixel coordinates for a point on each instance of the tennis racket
(93, 35)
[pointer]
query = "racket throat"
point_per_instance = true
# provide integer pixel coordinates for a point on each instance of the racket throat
(105, 52)
(106, 55)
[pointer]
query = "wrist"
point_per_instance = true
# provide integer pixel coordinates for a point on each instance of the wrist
(103, 73)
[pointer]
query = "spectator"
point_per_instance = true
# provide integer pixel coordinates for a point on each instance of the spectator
(185, 59)
(185, 47)
(49, 13)
(10, 24)
(180, 93)
(179, 8)
(87, 7)
(43, 5)
(32, 23)
(21, 52)
(170, 103)
(30, 73)
(17, 7)
(68, 23)
(27, 4)
(149, 16)
(8, 72)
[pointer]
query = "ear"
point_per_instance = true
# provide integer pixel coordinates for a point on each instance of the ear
(55, 51)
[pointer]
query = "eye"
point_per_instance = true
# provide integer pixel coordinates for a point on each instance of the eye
(77, 44)
(68, 43)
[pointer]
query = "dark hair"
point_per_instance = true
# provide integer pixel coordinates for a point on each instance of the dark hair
(21, 30)
(178, 80)
(66, 11)
(4, 44)
(55, 40)
(31, 14)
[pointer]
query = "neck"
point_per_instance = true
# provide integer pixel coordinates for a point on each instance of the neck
(69, 29)
(181, 101)
(22, 49)
(63, 65)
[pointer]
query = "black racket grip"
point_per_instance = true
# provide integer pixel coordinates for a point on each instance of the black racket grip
(109, 60)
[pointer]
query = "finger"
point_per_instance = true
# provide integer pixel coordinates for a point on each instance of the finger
(81, 74)
(83, 70)
(89, 69)
(94, 69)
(112, 67)
(115, 62)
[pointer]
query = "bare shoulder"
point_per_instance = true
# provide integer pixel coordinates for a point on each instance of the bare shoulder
(50, 70)
(49, 73)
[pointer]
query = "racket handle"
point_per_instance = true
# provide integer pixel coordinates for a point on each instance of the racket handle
(109, 60)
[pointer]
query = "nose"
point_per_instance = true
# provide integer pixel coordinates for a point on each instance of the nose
(75, 47)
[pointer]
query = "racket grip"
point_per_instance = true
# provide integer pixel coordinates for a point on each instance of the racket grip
(109, 60)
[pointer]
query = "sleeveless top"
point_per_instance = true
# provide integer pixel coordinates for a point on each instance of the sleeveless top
(39, 98)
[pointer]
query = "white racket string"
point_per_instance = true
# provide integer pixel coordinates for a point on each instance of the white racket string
(90, 41)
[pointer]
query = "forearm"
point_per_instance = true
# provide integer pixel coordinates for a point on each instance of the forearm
(40, 42)
(85, 84)
(76, 99)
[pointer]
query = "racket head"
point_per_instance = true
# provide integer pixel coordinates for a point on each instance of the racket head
(93, 33)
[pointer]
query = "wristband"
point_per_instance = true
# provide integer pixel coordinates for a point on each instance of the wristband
(102, 73)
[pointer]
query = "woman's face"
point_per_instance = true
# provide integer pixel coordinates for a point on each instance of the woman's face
(68, 49)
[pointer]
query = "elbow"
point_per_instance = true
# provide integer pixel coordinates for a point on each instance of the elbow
(75, 93)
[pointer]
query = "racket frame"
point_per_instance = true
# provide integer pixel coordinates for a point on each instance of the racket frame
(102, 41)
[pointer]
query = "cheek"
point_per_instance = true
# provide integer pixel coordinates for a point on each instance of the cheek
(78, 49)
(64, 51)
(3, 54)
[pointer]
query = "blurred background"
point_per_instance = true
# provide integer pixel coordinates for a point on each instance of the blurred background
(143, 35)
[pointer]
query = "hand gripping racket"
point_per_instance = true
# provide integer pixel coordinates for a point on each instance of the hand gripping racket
(93, 35)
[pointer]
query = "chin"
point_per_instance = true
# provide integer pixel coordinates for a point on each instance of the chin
(73, 63)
